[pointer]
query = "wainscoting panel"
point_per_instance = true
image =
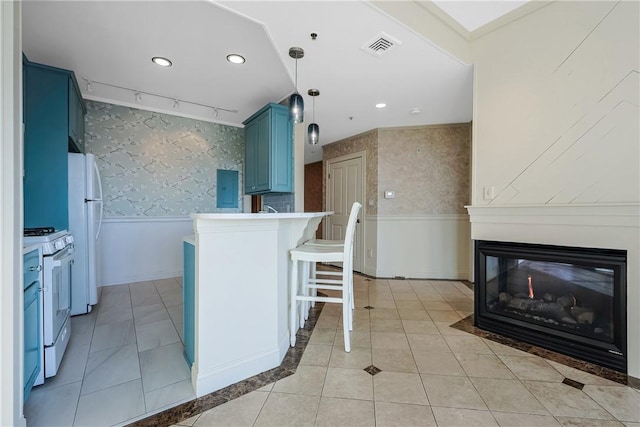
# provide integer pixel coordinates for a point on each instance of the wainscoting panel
(136, 249)
(423, 246)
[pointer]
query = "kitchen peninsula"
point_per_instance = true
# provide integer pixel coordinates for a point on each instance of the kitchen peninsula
(236, 293)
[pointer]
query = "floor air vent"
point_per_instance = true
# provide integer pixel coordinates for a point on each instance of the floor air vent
(380, 44)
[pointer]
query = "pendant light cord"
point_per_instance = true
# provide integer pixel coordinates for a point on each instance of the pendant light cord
(296, 75)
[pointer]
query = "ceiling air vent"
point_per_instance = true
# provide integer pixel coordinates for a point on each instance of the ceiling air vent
(380, 44)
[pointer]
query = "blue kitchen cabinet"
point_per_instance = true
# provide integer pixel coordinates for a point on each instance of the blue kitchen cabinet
(51, 98)
(188, 300)
(32, 320)
(76, 118)
(269, 151)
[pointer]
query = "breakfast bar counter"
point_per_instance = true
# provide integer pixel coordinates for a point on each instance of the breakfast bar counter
(237, 270)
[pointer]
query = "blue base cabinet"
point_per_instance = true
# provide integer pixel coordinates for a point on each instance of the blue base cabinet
(188, 301)
(53, 126)
(32, 321)
(268, 151)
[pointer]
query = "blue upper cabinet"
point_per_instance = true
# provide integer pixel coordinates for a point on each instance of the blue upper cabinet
(77, 111)
(54, 125)
(268, 151)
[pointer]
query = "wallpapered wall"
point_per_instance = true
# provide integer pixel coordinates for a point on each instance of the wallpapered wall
(428, 167)
(155, 164)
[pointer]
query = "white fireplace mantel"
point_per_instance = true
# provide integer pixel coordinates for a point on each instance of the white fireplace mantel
(608, 226)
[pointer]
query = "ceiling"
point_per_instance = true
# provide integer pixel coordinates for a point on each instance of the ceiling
(109, 45)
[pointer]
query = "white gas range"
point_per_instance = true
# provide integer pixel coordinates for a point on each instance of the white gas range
(58, 257)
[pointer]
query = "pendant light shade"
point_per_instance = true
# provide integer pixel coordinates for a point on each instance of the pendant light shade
(313, 131)
(296, 108)
(296, 103)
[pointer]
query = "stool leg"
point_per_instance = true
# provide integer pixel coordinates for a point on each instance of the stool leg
(304, 305)
(345, 321)
(293, 291)
(314, 292)
(353, 305)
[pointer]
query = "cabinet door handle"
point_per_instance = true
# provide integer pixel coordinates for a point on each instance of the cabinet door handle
(35, 268)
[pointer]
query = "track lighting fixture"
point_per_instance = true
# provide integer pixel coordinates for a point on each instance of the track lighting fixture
(137, 94)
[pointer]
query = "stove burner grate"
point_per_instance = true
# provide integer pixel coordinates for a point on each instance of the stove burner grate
(39, 231)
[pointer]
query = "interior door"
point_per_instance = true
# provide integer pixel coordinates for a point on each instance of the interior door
(345, 186)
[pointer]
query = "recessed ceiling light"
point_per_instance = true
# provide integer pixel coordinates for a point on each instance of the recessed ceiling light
(234, 58)
(163, 62)
(381, 105)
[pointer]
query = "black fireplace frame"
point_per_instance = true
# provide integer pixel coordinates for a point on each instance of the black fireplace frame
(609, 354)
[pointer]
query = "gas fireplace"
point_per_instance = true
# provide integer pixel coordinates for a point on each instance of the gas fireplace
(567, 299)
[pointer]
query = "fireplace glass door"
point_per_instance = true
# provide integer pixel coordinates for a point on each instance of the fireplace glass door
(556, 297)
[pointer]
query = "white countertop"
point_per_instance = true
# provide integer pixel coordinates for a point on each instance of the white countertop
(252, 216)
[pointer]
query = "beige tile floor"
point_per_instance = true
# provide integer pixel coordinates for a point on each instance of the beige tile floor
(124, 360)
(431, 374)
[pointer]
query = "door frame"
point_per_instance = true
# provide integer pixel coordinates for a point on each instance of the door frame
(362, 155)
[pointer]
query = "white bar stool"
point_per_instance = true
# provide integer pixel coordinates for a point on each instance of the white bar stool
(299, 292)
(329, 243)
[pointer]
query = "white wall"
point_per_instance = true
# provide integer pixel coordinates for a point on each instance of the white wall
(556, 131)
(11, 290)
(423, 246)
(135, 249)
(556, 106)
(370, 265)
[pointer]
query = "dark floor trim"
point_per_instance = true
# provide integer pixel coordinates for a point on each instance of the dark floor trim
(466, 325)
(201, 404)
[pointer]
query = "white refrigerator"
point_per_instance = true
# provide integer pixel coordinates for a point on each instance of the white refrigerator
(85, 218)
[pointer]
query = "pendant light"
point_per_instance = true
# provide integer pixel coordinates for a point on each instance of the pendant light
(313, 131)
(296, 103)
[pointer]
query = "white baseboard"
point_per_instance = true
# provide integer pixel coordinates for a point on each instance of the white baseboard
(428, 274)
(145, 277)
(227, 374)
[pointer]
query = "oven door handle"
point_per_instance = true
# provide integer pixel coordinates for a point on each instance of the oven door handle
(61, 259)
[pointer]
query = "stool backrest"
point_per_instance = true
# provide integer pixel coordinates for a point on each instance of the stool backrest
(351, 231)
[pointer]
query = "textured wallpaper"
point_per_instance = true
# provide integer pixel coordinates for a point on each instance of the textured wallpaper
(429, 168)
(155, 164)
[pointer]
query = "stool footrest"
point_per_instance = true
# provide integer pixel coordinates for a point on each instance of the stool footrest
(320, 299)
(326, 281)
(326, 287)
(329, 273)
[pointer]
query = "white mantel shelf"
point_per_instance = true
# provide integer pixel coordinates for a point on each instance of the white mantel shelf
(613, 215)
(241, 292)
